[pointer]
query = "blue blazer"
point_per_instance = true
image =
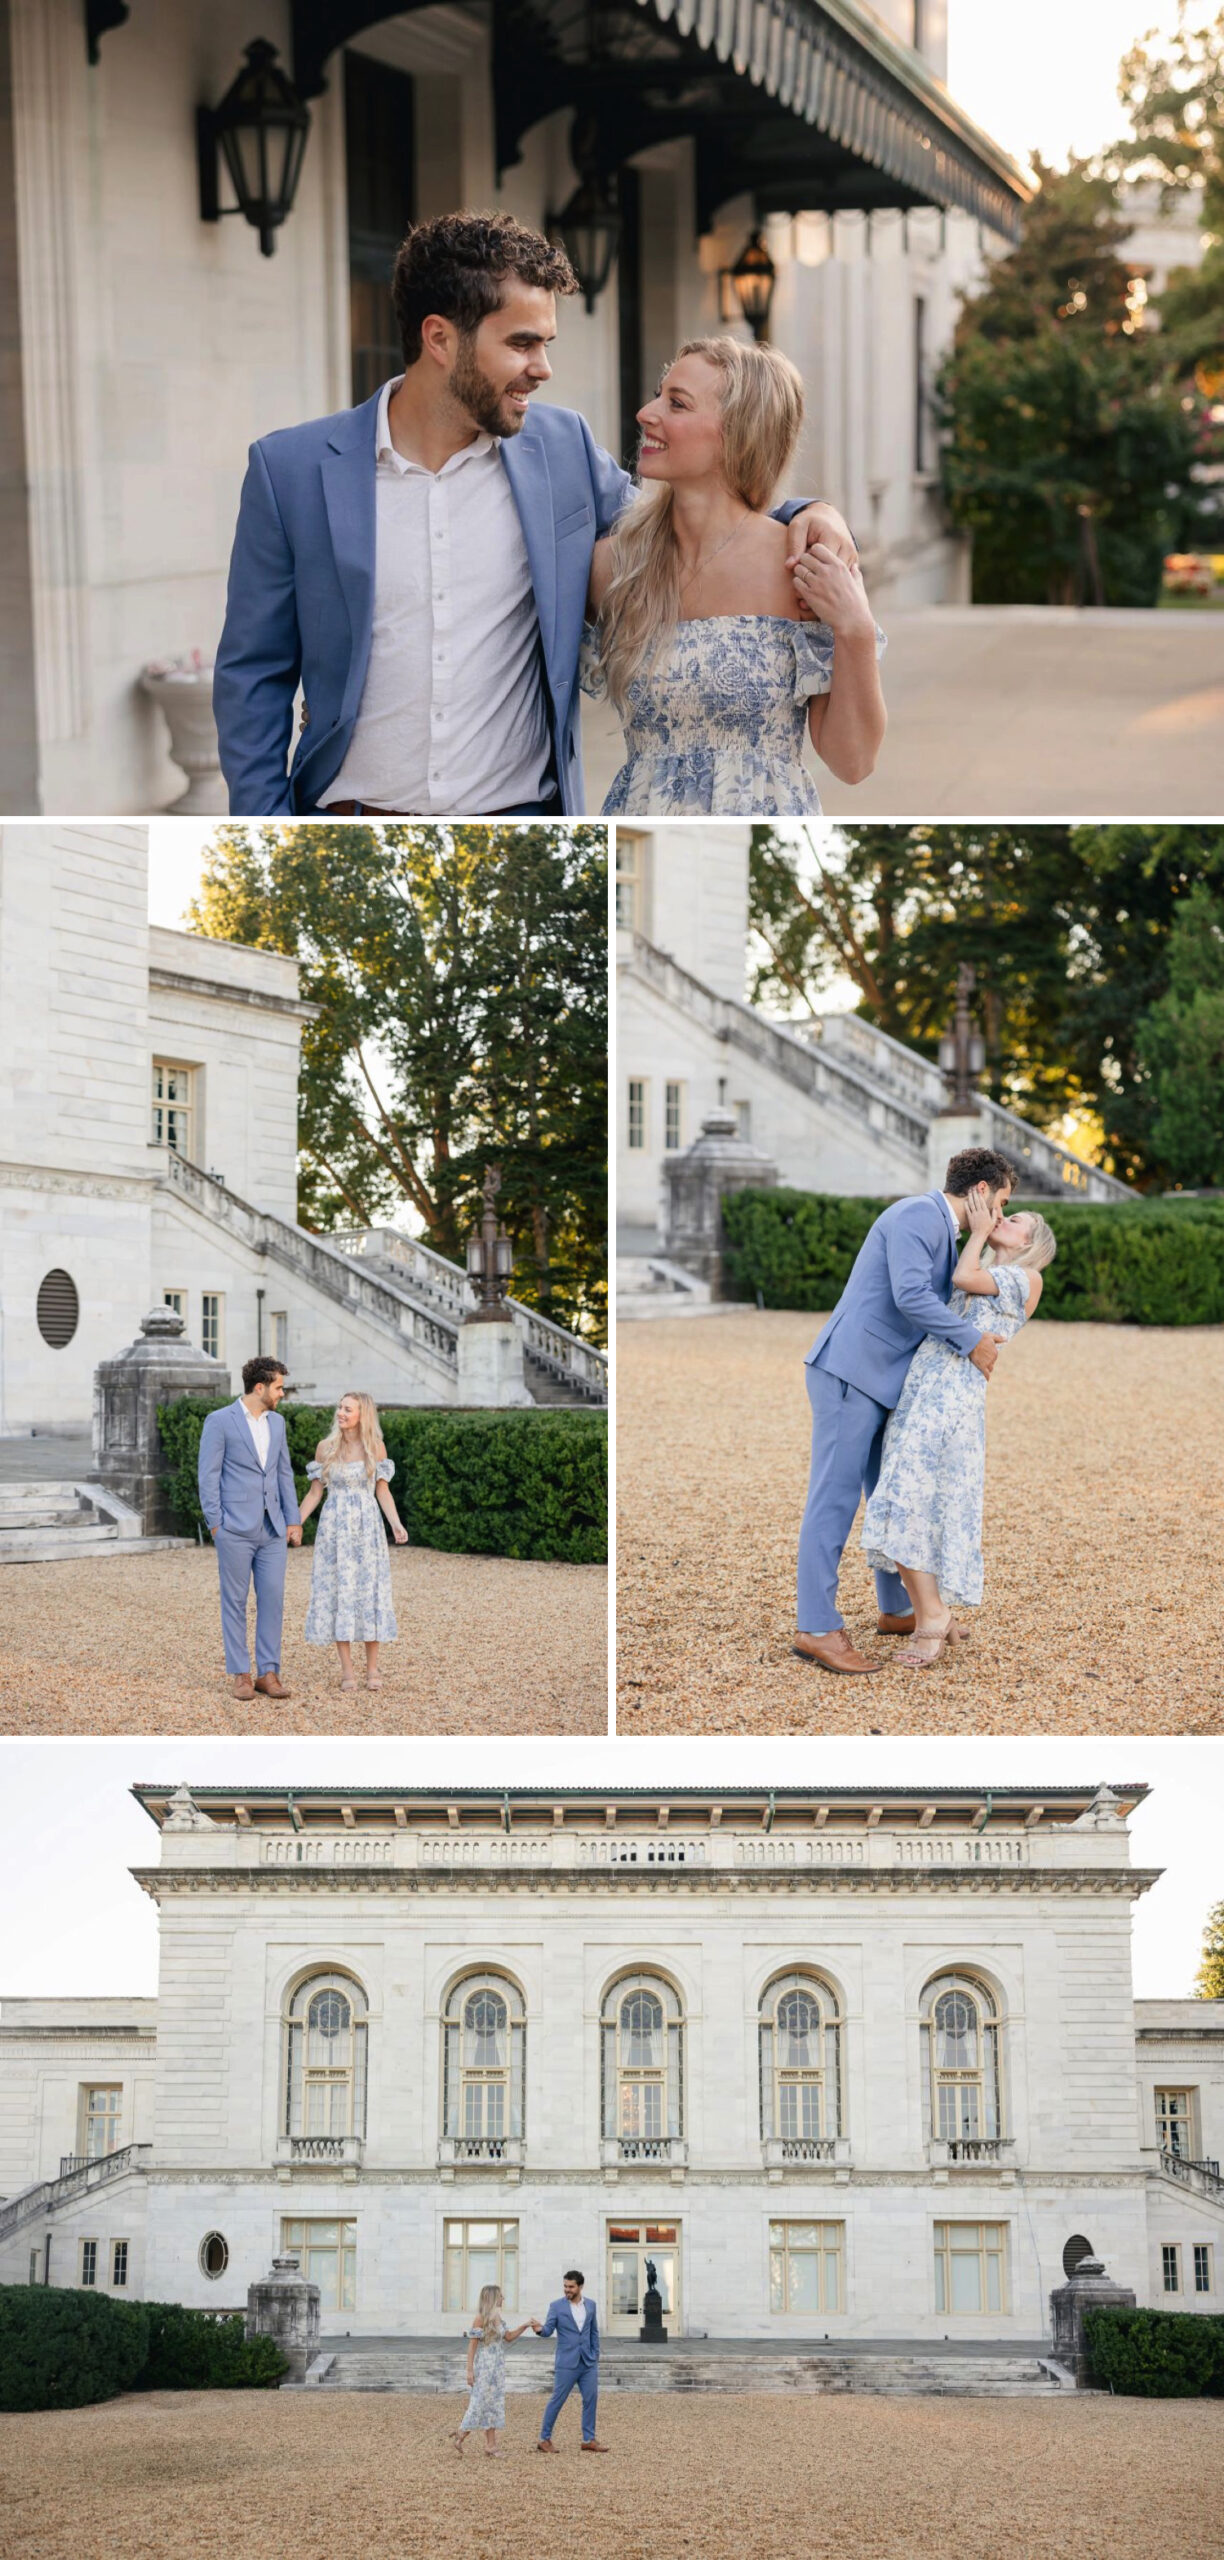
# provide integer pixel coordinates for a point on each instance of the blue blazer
(235, 1491)
(575, 2346)
(301, 595)
(897, 1292)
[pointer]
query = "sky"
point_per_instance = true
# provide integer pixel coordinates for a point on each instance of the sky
(176, 852)
(1044, 77)
(72, 1922)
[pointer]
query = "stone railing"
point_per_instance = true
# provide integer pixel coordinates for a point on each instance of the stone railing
(792, 2150)
(1049, 1170)
(986, 2150)
(621, 2150)
(341, 2150)
(428, 1274)
(1203, 2175)
(73, 2182)
(488, 2150)
(656, 1849)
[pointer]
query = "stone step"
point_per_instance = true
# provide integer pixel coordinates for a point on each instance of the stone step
(428, 2367)
(78, 1537)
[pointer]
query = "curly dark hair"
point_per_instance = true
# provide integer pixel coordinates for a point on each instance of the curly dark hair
(457, 265)
(978, 1164)
(260, 1373)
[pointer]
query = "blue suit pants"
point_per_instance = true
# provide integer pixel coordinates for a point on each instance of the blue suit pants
(583, 2378)
(245, 1557)
(847, 1439)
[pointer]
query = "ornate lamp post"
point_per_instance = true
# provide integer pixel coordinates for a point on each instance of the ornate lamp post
(589, 227)
(260, 131)
(962, 1050)
(748, 286)
(490, 1257)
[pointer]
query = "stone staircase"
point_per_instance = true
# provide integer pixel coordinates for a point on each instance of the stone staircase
(650, 1285)
(720, 2366)
(44, 1520)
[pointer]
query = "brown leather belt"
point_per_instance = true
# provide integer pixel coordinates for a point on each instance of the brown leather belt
(363, 809)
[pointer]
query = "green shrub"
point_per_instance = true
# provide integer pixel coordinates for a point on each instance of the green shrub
(1156, 2355)
(192, 2351)
(1139, 1262)
(526, 1484)
(61, 2348)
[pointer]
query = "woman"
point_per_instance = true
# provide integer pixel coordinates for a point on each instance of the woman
(698, 600)
(924, 1520)
(350, 1584)
(488, 2339)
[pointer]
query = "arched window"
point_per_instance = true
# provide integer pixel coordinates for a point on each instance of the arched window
(643, 2066)
(483, 2051)
(325, 2058)
(800, 2049)
(960, 2060)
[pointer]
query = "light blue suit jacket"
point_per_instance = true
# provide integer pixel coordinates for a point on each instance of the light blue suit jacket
(897, 1293)
(235, 1491)
(575, 2346)
(301, 594)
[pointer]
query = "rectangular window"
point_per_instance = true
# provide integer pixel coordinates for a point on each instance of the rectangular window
(33, 2266)
(100, 2112)
(1175, 2121)
(970, 2266)
(328, 2254)
(673, 1117)
(805, 2266)
(743, 1120)
(630, 882)
(919, 25)
(89, 2262)
(921, 455)
(119, 2263)
(1202, 2266)
(280, 1335)
(637, 1114)
(476, 2254)
(212, 1324)
(172, 1106)
(379, 154)
(176, 1298)
(1170, 2267)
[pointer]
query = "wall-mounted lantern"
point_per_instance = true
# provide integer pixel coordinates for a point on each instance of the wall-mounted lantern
(589, 227)
(259, 130)
(746, 289)
(100, 17)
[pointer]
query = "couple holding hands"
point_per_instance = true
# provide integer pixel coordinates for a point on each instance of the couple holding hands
(572, 2321)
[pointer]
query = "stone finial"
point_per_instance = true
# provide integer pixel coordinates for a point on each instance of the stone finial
(1105, 1813)
(695, 1183)
(183, 1813)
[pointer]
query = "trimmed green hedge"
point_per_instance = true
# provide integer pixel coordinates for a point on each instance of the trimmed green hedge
(63, 2347)
(1156, 2355)
(1139, 1262)
(516, 1483)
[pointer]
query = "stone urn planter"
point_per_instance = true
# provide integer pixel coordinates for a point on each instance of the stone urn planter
(183, 688)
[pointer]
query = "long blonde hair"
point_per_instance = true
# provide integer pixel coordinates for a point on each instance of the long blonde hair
(1040, 1249)
(488, 2312)
(762, 413)
(368, 1433)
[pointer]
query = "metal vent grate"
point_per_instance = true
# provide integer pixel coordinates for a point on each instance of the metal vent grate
(1077, 2247)
(59, 1309)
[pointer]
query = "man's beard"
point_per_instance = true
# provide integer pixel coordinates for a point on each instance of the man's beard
(480, 397)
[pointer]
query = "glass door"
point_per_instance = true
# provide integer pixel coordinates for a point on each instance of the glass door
(634, 2247)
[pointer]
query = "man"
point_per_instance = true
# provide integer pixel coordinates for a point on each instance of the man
(249, 1500)
(422, 562)
(897, 1292)
(573, 2323)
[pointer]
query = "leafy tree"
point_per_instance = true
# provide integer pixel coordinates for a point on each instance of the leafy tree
(1180, 1045)
(1066, 439)
(1209, 1980)
(1173, 90)
(460, 975)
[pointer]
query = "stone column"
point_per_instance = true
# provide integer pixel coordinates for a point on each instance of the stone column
(285, 2306)
(491, 1359)
(1089, 2289)
(949, 1133)
(157, 1369)
(694, 1185)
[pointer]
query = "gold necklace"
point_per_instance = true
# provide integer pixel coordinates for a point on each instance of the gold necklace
(713, 555)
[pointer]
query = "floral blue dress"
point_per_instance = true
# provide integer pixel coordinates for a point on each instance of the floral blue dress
(717, 725)
(487, 2405)
(926, 1511)
(350, 1585)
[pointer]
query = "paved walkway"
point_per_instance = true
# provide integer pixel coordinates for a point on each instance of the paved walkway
(1028, 712)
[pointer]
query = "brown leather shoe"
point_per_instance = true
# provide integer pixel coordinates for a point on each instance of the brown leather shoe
(544, 2444)
(244, 1686)
(834, 1653)
(593, 2445)
(891, 1623)
(269, 1685)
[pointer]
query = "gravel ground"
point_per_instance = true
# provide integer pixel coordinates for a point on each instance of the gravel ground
(364, 2476)
(132, 1644)
(1104, 1524)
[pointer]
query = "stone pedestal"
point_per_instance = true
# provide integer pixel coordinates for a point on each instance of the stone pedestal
(156, 1369)
(652, 2332)
(950, 1132)
(695, 1184)
(284, 2306)
(1089, 2289)
(491, 1361)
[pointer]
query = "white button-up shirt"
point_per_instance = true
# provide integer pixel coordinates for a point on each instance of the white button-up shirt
(579, 2310)
(452, 720)
(951, 1217)
(260, 1431)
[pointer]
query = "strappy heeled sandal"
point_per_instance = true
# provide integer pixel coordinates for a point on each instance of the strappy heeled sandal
(912, 1660)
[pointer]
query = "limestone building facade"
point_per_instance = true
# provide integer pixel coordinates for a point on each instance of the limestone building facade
(149, 1111)
(835, 1104)
(860, 2065)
